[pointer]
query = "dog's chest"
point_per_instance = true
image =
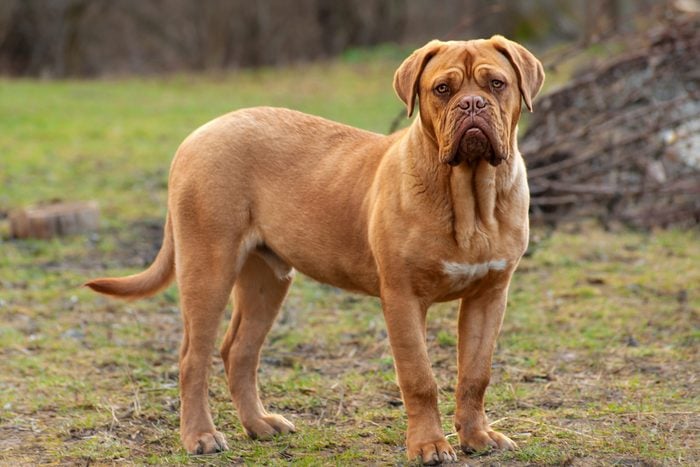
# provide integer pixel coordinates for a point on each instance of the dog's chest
(482, 261)
(460, 275)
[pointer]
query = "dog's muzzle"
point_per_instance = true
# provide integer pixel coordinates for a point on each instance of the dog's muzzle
(473, 144)
(474, 138)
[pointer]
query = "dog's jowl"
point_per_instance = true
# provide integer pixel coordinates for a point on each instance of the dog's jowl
(434, 212)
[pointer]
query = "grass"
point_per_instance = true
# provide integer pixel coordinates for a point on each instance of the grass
(597, 362)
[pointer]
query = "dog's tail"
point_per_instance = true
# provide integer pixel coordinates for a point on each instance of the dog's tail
(154, 279)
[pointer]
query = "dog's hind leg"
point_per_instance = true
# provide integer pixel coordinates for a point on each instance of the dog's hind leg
(208, 257)
(257, 295)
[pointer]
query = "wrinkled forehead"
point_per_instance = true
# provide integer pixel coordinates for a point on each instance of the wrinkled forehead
(467, 57)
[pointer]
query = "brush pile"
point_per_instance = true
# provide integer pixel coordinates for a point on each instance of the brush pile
(622, 142)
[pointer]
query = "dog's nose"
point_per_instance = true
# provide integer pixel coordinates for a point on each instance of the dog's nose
(472, 105)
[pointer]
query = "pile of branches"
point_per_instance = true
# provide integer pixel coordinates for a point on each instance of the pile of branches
(622, 143)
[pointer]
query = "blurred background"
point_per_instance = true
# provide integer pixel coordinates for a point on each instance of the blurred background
(58, 38)
(622, 87)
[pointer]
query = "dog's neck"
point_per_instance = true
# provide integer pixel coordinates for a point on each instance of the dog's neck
(468, 196)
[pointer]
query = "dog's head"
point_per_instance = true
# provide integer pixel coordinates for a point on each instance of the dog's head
(470, 95)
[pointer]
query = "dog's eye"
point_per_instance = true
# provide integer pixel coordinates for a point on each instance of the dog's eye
(497, 83)
(442, 89)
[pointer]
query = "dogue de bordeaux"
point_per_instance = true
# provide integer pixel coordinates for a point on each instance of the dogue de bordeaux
(434, 212)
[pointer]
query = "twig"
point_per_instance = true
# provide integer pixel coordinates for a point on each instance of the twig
(340, 401)
(555, 427)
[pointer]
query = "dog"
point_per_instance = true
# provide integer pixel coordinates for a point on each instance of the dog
(435, 212)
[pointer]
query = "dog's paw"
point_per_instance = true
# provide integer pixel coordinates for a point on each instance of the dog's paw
(433, 452)
(205, 443)
(267, 426)
(485, 440)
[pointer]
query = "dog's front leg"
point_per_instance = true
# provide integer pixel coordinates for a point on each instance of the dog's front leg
(405, 319)
(480, 320)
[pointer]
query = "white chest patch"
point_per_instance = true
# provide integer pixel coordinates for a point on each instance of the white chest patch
(462, 274)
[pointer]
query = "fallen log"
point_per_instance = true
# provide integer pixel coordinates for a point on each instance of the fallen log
(622, 142)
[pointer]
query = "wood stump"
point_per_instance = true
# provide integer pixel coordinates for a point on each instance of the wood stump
(54, 220)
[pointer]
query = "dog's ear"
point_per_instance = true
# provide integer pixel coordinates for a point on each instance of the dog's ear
(527, 67)
(408, 74)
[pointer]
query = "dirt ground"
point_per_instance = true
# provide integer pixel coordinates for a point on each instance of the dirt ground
(597, 362)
